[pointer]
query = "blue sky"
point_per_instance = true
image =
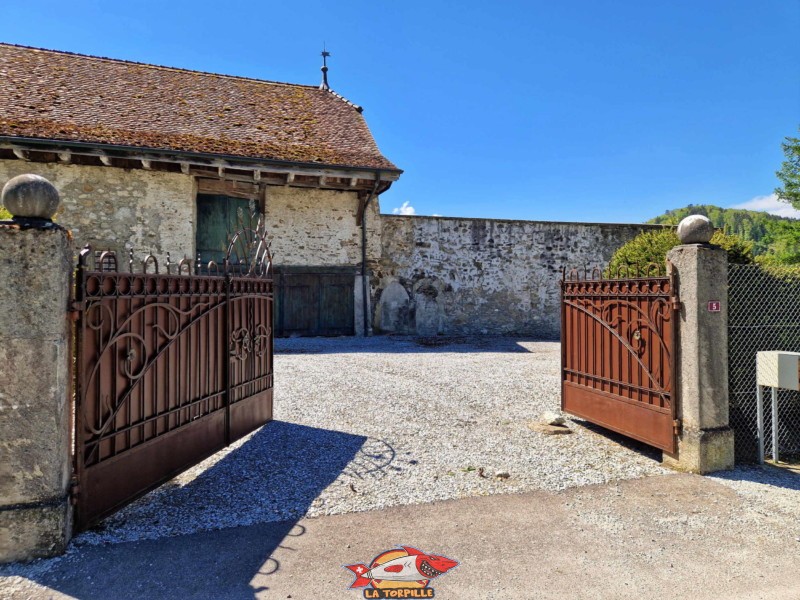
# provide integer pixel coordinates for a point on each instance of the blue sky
(609, 111)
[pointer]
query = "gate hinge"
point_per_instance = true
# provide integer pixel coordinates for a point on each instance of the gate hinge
(74, 491)
(74, 311)
(677, 426)
(676, 304)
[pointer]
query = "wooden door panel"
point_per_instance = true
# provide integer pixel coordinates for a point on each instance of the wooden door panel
(314, 303)
(300, 304)
(336, 305)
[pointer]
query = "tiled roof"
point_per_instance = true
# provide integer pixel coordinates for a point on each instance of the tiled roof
(69, 97)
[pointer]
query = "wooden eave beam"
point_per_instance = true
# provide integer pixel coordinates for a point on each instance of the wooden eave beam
(328, 178)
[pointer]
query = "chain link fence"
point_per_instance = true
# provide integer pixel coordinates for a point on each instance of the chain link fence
(763, 314)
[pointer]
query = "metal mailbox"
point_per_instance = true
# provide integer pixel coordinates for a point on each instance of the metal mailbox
(774, 369)
(778, 370)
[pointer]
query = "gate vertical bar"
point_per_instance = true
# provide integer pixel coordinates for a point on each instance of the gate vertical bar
(226, 353)
(563, 335)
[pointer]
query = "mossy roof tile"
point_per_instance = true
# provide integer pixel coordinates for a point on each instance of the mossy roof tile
(56, 95)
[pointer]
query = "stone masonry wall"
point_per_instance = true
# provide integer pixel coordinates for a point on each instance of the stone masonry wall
(154, 211)
(318, 227)
(119, 209)
(456, 276)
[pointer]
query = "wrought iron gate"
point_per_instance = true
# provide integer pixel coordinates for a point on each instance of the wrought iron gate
(618, 348)
(170, 367)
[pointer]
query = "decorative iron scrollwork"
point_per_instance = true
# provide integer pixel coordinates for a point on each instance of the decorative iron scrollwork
(262, 339)
(626, 321)
(243, 343)
(248, 252)
(132, 363)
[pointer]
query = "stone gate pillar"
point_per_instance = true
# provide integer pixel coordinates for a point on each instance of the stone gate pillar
(705, 443)
(35, 404)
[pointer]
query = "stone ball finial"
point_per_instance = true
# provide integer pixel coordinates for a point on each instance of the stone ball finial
(30, 197)
(695, 229)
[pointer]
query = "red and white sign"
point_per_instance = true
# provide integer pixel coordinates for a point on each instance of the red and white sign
(714, 306)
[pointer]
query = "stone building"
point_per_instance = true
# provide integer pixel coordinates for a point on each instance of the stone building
(160, 160)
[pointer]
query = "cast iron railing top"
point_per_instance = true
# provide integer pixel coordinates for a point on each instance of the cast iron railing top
(248, 255)
(622, 271)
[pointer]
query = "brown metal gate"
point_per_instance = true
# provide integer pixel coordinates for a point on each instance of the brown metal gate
(170, 367)
(618, 348)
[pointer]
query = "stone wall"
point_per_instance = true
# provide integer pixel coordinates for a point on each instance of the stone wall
(430, 275)
(154, 211)
(120, 209)
(454, 276)
(318, 227)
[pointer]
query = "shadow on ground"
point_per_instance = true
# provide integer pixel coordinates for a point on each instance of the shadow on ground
(633, 445)
(397, 344)
(232, 563)
(227, 519)
(780, 477)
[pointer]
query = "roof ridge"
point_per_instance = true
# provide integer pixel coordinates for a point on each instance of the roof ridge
(165, 67)
(358, 107)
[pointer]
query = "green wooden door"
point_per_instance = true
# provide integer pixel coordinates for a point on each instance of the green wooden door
(217, 219)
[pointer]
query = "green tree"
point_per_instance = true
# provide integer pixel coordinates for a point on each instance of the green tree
(782, 244)
(774, 239)
(790, 173)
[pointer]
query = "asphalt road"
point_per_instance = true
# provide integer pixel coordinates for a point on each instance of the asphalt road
(662, 537)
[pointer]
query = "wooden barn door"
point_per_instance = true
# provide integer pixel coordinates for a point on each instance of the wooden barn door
(313, 301)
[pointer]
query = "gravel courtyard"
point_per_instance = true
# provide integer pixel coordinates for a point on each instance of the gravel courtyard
(385, 422)
(363, 424)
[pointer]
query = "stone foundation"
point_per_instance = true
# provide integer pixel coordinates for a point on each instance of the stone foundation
(703, 451)
(27, 533)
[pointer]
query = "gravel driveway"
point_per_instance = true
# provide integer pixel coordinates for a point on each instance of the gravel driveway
(363, 424)
(366, 424)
